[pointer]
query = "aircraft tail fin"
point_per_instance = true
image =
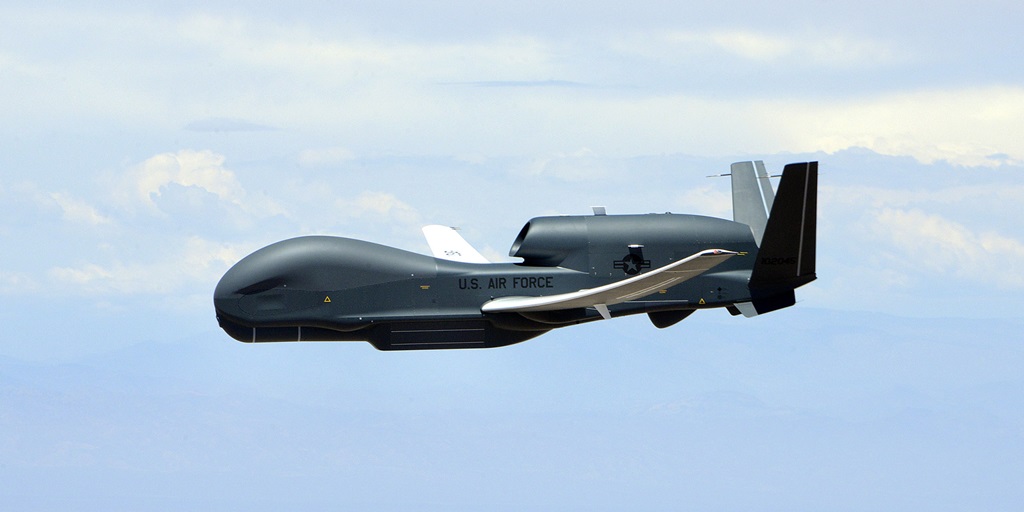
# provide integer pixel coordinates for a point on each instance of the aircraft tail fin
(447, 244)
(766, 186)
(786, 258)
(752, 196)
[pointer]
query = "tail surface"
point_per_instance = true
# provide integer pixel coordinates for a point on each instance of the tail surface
(752, 196)
(786, 258)
(748, 205)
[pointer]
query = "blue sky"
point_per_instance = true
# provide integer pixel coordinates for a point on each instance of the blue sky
(143, 150)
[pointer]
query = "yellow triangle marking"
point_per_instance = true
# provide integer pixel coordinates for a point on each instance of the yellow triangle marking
(702, 301)
(327, 299)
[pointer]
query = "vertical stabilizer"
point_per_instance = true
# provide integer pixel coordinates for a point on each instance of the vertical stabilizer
(747, 203)
(447, 244)
(786, 258)
(766, 185)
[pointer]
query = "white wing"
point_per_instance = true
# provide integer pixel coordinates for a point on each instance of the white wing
(620, 291)
(447, 244)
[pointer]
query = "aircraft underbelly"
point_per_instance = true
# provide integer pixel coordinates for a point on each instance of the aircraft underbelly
(445, 334)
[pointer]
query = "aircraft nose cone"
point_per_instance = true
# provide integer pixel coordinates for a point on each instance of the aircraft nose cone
(272, 289)
(227, 295)
(237, 281)
(257, 272)
(252, 289)
(249, 276)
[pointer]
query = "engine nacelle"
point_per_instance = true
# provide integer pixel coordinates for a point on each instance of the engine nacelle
(613, 244)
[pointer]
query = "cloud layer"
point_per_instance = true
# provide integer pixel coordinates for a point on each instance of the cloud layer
(710, 91)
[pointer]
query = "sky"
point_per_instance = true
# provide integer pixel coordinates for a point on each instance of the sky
(146, 149)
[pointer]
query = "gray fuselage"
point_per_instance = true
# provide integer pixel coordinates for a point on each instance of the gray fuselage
(340, 289)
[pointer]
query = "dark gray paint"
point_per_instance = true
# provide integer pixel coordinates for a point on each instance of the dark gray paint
(321, 288)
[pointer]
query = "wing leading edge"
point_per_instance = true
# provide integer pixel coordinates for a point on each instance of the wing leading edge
(614, 293)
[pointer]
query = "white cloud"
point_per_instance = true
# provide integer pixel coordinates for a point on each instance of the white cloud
(203, 170)
(948, 248)
(753, 46)
(399, 92)
(327, 58)
(580, 165)
(956, 125)
(325, 156)
(996, 196)
(707, 200)
(797, 49)
(17, 283)
(78, 211)
(962, 126)
(192, 189)
(220, 124)
(84, 275)
(381, 206)
(196, 262)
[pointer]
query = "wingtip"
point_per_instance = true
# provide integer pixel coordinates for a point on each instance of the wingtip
(718, 252)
